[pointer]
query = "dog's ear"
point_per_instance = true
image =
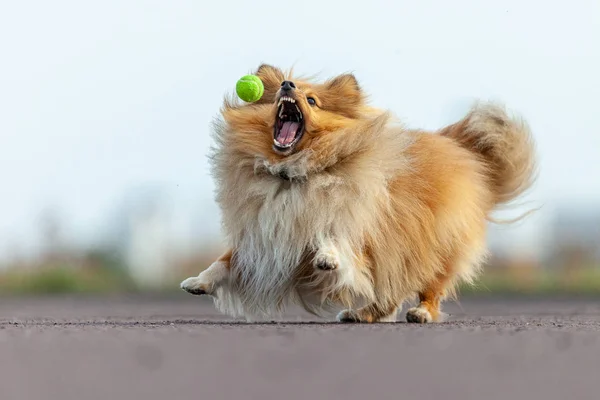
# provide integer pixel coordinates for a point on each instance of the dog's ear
(345, 86)
(343, 95)
(271, 78)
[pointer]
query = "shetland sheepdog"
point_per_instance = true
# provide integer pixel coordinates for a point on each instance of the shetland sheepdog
(331, 204)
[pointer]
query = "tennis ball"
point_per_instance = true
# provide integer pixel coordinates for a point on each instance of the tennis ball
(250, 88)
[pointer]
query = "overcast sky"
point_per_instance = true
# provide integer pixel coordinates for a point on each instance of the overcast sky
(100, 98)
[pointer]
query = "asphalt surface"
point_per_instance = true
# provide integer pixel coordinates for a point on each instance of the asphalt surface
(180, 348)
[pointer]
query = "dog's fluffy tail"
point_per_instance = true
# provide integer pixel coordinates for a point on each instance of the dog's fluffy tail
(504, 144)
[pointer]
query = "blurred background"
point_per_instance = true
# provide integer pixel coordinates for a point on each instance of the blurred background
(105, 110)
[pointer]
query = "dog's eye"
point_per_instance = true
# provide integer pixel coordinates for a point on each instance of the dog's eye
(311, 101)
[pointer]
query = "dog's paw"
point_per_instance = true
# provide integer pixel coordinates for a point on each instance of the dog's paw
(196, 286)
(348, 317)
(327, 257)
(326, 264)
(326, 261)
(418, 315)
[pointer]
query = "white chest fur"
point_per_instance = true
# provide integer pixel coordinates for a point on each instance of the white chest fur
(274, 224)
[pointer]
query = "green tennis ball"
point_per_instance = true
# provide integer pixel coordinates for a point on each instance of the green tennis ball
(250, 88)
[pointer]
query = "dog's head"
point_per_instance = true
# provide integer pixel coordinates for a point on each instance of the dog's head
(294, 114)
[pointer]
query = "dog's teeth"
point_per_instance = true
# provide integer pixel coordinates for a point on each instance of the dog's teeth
(284, 146)
(286, 98)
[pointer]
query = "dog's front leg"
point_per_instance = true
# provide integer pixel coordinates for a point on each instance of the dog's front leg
(327, 255)
(209, 280)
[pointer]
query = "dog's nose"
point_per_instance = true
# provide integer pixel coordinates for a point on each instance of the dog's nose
(287, 86)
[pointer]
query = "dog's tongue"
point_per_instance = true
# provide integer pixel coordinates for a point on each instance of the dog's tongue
(287, 133)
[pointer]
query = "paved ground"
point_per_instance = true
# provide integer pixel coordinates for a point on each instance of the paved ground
(179, 348)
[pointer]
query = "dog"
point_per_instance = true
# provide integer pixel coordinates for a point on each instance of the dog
(332, 204)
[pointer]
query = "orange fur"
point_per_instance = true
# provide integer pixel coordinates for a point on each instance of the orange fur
(391, 212)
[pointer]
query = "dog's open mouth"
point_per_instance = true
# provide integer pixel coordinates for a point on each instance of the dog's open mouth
(289, 125)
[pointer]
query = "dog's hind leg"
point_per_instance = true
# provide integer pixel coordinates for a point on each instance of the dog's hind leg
(373, 312)
(430, 299)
